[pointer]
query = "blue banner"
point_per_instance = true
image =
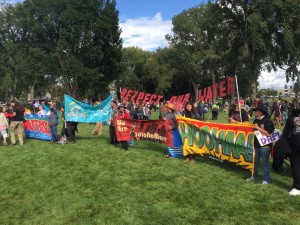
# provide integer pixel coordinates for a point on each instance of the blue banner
(37, 127)
(76, 111)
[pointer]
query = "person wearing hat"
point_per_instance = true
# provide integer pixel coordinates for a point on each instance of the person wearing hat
(123, 114)
(234, 115)
(265, 126)
(291, 133)
(174, 151)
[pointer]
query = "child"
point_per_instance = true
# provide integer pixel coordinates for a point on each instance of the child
(53, 125)
(122, 114)
(266, 127)
(3, 127)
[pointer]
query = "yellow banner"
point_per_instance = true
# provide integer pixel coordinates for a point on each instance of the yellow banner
(223, 142)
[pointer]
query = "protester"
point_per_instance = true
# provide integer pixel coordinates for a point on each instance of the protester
(163, 110)
(112, 131)
(17, 123)
(202, 110)
(42, 111)
(53, 125)
(175, 150)
(122, 114)
(291, 133)
(215, 111)
(68, 128)
(3, 127)
(194, 109)
(27, 110)
(283, 109)
(146, 112)
(189, 113)
(265, 126)
(98, 127)
(36, 106)
(140, 113)
(277, 114)
(226, 106)
(6, 113)
(234, 114)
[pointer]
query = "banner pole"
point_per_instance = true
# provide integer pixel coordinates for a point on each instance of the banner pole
(238, 96)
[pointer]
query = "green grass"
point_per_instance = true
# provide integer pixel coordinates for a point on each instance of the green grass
(91, 182)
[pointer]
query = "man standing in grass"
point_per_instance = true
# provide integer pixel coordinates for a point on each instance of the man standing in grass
(266, 127)
(98, 127)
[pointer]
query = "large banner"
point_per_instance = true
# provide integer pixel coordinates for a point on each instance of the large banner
(222, 142)
(37, 127)
(76, 111)
(225, 87)
(146, 130)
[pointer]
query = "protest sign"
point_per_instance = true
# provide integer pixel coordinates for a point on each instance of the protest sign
(223, 142)
(76, 111)
(37, 127)
(264, 140)
(143, 130)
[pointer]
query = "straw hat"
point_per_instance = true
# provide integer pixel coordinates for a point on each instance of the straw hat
(171, 106)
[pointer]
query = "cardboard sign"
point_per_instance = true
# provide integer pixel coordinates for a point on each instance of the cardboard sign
(264, 140)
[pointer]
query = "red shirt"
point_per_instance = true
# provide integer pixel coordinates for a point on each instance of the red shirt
(124, 115)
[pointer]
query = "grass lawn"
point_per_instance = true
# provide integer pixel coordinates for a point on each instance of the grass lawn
(92, 182)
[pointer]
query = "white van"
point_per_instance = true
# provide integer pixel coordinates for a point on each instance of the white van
(293, 95)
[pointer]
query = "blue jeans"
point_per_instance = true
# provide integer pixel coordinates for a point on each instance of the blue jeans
(283, 117)
(262, 153)
(53, 130)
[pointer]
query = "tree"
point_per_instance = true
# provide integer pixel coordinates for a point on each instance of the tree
(134, 73)
(297, 87)
(73, 43)
(197, 37)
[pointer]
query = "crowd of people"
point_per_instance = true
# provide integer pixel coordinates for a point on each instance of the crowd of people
(267, 115)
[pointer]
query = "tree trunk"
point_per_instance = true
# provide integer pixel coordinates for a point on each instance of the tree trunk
(213, 80)
(253, 89)
(196, 89)
(31, 93)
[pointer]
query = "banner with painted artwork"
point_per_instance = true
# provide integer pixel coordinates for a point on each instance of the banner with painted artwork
(76, 111)
(143, 130)
(222, 142)
(37, 127)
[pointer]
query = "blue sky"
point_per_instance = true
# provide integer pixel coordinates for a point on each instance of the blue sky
(142, 8)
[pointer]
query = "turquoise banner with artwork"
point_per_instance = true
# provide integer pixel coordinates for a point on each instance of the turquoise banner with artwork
(76, 111)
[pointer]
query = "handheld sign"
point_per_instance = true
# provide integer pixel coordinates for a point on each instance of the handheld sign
(264, 140)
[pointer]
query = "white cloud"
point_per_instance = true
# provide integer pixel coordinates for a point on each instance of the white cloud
(274, 79)
(146, 32)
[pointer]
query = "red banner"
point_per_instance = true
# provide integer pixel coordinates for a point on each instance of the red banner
(221, 89)
(146, 130)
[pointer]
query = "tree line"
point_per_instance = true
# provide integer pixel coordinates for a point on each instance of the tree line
(75, 47)
(70, 46)
(219, 39)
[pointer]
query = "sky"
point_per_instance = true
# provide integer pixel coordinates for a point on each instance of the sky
(146, 22)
